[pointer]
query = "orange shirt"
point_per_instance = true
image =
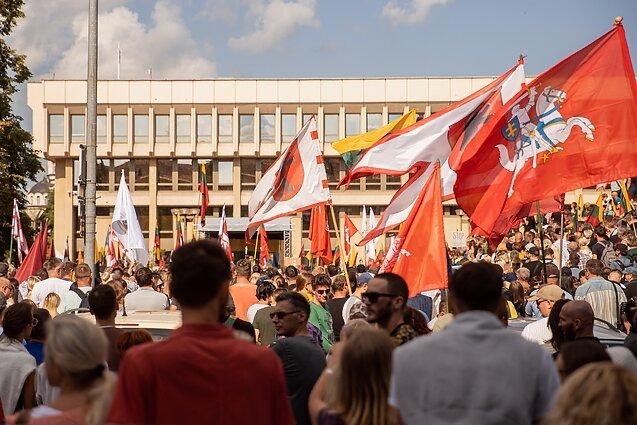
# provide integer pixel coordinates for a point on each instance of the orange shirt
(243, 295)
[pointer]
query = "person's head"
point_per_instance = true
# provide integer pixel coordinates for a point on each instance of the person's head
(4, 269)
(604, 393)
(102, 301)
(546, 297)
(75, 359)
(552, 274)
(132, 338)
(630, 273)
(523, 274)
(594, 267)
(577, 320)
(53, 267)
(339, 285)
(66, 272)
(52, 301)
(42, 316)
(254, 277)
(83, 275)
(5, 287)
(476, 286)
(243, 268)
(200, 276)
(321, 288)
(557, 338)
(578, 353)
(615, 276)
(290, 314)
(18, 321)
(517, 237)
(144, 277)
(534, 253)
(265, 289)
(332, 270)
(361, 382)
(353, 326)
(600, 233)
(362, 280)
(291, 273)
(117, 273)
(385, 298)
(574, 259)
(31, 281)
(361, 269)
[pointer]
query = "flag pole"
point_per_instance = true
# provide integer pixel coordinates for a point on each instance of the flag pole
(340, 248)
(256, 246)
(561, 245)
(541, 223)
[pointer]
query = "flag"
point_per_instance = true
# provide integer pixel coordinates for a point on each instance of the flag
(321, 243)
(66, 250)
(17, 234)
(349, 230)
(222, 235)
(390, 257)
(446, 137)
(35, 257)
(558, 135)
(350, 147)
(370, 246)
(126, 226)
(337, 255)
(157, 245)
(303, 252)
(203, 190)
(50, 249)
(179, 239)
(296, 181)
(596, 212)
(109, 248)
(625, 198)
(580, 205)
(264, 250)
(419, 254)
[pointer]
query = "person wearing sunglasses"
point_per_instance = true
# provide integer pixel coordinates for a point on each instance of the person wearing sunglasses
(320, 315)
(303, 361)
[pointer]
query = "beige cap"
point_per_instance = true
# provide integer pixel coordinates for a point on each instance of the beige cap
(548, 292)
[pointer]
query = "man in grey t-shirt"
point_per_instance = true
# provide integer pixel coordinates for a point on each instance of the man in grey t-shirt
(475, 371)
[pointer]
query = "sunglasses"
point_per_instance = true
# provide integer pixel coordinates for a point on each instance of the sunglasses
(372, 297)
(281, 314)
(322, 291)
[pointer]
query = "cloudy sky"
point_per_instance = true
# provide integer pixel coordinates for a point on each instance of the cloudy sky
(310, 38)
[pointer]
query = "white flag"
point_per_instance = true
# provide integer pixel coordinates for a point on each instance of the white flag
(17, 234)
(126, 226)
(371, 246)
(222, 234)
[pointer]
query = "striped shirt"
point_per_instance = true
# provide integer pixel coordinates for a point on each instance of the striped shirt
(605, 297)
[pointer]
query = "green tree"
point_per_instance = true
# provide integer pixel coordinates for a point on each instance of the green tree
(19, 163)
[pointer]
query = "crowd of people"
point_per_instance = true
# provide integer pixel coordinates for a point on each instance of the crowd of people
(317, 345)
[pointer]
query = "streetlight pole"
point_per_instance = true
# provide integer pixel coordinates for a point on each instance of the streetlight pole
(91, 134)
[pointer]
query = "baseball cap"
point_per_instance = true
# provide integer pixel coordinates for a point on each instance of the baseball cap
(534, 250)
(364, 277)
(548, 292)
(82, 270)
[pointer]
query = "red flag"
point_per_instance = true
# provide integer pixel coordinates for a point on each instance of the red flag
(349, 230)
(561, 134)
(264, 250)
(35, 258)
(203, 189)
(419, 254)
(321, 246)
(17, 234)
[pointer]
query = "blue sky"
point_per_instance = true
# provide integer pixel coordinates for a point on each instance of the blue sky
(312, 38)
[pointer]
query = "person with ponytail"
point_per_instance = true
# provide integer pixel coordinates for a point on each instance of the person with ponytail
(75, 361)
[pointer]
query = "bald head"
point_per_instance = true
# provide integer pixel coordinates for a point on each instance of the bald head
(576, 320)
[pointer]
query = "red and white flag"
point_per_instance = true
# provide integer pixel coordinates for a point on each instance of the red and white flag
(222, 235)
(264, 249)
(573, 127)
(17, 234)
(321, 246)
(445, 137)
(296, 181)
(349, 230)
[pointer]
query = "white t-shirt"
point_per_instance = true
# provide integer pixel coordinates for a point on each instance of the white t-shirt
(146, 299)
(45, 287)
(538, 331)
(70, 300)
(252, 311)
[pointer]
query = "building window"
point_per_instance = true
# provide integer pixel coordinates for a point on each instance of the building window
(330, 127)
(101, 173)
(78, 128)
(265, 165)
(392, 182)
(164, 174)
(374, 121)
(225, 128)
(142, 171)
(204, 128)
(224, 170)
(183, 128)
(119, 166)
(248, 173)
(392, 116)
(165, 222)
(184, 174)
(372, 182)
(101, 129)
(306, 117)
(333, 171)
(267, 128)
(162, 128)
(56, 128)
(141, 128)
(246, 128)
(288, 127)
(352, 124)
(208, 163)
(120, 128)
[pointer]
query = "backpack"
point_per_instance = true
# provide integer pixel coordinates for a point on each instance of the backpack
(83, 296)
(608, 254)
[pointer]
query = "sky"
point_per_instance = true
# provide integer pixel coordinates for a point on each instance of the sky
(190, 39)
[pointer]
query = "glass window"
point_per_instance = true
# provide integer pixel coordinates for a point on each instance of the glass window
(141, 174)
(246, 128)
(248, 173)
(101, 173)
(288, 127)
(392, 116)
(204, 128)
(101, 129)
(374, 121)
(267, 128)
(162, 128)
(265, 166)
(56, 128)
(120, 128)
(352, 124)
(372, 182)
(333, 170)
(165, 221)
(330, 127)
(183, 128)
(306, 117)
(120, 165)
(392, 182)
(184, 174)
(164, 174)
(78, 128)
(144, 221)
(225, 175)
(141, 128)
(225, 128)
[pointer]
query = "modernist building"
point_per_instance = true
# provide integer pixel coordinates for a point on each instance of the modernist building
(159, 133)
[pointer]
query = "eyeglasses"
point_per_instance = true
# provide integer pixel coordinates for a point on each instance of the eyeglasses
(372, 297)
(34, 322)
(322, 291)
(281, 314)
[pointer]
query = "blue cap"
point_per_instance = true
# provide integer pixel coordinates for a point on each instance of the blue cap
(364, 277)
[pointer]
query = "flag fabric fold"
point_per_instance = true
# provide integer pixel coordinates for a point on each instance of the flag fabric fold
(321, 243)
(349, 230)
(36, 256)
(370, 246)
(126, 226)
(264, 249)
(17, 234)
(222, 235)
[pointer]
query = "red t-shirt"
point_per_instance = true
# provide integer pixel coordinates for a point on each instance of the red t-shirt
(201, 374)
(243, 295)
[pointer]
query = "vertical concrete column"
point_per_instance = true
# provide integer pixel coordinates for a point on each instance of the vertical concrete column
(236, 188)
(152, 202)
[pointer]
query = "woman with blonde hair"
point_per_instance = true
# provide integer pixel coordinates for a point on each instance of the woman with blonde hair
(75, 361)
(51, 303)
(599, 393)
(354, 388)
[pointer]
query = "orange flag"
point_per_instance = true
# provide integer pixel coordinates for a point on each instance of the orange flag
(420, 255)
(321, 246)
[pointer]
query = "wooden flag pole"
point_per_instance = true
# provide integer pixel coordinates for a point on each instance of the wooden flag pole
(561, 245)
(256, 246)
(340, 248)
(541, 223)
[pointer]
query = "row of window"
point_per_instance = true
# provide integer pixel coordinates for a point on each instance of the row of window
(203, 127)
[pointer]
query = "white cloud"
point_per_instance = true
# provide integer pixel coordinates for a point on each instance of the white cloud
(409, 11)
(219, 11)
(274, 22)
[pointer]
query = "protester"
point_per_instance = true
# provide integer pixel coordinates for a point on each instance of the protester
(52, 283)
(132, 338)
(577, 321)
(35, 343)
(623, 357)
(243, 291)
(468, 386)
(302, 360)
(539, 330)
(264, 291)
(242, 329)
(604, 297)
(76, 296)
(552, 278)
(291, 274)
(319, 314)
(336, 303)
(200, 367)
(354, 307)
(575, 354)
(423, 303)
(145, 298)
(102, 303)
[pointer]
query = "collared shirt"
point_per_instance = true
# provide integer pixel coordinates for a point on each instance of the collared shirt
(146, 299)
(477, 372)
(45, 287)
(322, 319)
(201, 374)
(538, 331)
(605, 297)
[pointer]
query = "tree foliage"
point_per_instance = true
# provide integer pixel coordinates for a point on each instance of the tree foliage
(19, 163)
